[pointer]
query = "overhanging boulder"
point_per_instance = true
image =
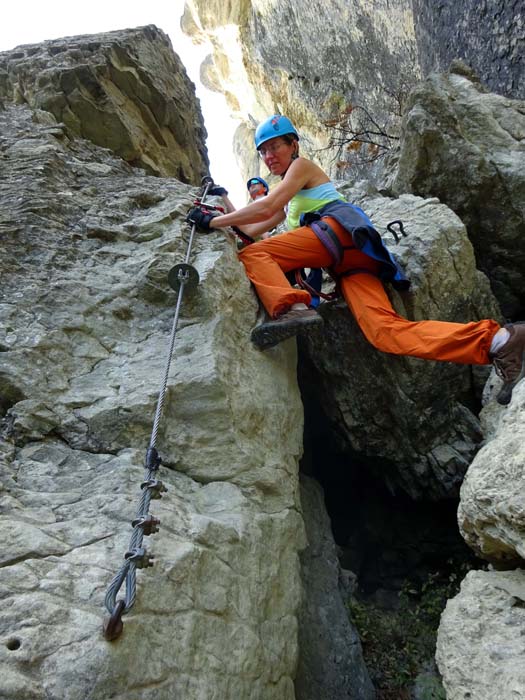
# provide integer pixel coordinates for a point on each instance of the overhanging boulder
(413, 419)
(124, 90)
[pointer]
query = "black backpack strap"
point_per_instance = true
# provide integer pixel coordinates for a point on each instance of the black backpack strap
(245, 238)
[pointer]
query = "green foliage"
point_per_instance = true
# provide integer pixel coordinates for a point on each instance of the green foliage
(397, 642)
(334, 105)
(429, 688)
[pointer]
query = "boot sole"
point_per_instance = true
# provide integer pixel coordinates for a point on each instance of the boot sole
(269, 334)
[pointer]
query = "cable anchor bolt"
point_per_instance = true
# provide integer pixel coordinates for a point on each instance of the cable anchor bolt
(113, 625)
(183, 274)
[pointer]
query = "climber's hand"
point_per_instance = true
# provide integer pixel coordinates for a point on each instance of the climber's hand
(218, 191)
(201, 217)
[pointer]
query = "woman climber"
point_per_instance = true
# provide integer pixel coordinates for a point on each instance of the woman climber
(329, 232)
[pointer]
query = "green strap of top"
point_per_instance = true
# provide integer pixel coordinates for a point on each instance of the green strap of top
(310, 200)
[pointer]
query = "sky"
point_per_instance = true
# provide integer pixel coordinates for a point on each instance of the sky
(33, 21)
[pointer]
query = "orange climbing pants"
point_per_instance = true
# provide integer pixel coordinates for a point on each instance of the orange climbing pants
(266, 262)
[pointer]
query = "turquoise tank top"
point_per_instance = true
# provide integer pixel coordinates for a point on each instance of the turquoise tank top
(310, 200)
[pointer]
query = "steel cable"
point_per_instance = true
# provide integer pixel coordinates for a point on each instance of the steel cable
(145, 524)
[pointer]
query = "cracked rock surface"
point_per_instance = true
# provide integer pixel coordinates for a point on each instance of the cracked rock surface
(491, 513)
(85, 316)
(466, 146)
(480, 651)
(480, 642)
(124, 90)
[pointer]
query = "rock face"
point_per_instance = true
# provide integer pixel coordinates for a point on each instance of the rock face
(480, 650)
(85, 315)
(411, 418)
(125, 90)
(491, 514)
(306, 60)
(480, 642)
(331, 663)
(467, 147)
(85, 319)
(487, 34)
(313, 61)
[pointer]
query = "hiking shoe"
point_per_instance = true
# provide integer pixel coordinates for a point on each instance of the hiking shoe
(289, 324)
(509, 362)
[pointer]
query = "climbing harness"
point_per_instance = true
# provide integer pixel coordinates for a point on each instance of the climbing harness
(327, 236)
(333, 245)
(137, 557)
(300, 279)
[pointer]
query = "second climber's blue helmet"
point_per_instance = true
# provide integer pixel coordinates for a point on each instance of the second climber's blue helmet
(258, 180)
(276, 125)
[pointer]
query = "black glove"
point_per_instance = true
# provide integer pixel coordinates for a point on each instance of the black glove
(218, 191)
(201, 218)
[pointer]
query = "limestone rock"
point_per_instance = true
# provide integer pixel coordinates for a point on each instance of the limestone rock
(487, 34)
(314, 61)
(124, 90)
(480, 650)
(491, 513)
(85, 318)
(306, 60)
(413, 419)
(330, 660)
(467, 147)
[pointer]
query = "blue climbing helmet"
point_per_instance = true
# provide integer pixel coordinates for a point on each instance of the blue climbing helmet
(276, 125)
(257, 180)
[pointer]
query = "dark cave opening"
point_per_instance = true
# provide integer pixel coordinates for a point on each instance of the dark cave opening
(407, 557)
(383, 538)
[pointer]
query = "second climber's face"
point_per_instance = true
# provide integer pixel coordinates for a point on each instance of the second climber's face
(277, 155)
(257, 190)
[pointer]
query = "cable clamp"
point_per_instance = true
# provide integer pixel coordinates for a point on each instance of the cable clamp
(149, 524)
(156, 487)
(140, 557)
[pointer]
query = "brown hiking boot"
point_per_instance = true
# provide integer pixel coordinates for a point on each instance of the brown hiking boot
(289, 324)
(509, 361)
